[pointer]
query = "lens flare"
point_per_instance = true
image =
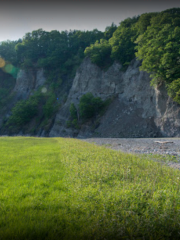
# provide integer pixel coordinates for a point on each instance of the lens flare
(2, 63)
(14, 72)
(44, 90)
(8, 68)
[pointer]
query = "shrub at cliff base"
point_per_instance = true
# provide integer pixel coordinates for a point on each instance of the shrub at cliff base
(22, 113)
(89, 107)
(55, 188)
(39, 104)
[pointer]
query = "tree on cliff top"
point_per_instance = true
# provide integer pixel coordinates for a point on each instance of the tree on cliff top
(159, 49)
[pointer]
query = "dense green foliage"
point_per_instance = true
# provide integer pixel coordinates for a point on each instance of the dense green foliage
(154, 38)
(59, 54)
(58, 188)
(43, 105)
(8, 51)
(119, 46)
(74, 117)
(143, 22)
(122, 41)
(89, 107)
(100, 52)
(23, 112)
(109, 31)
(174, 90)
(159, 48)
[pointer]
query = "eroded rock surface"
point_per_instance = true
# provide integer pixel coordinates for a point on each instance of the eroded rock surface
(27, 81)
(138, 110)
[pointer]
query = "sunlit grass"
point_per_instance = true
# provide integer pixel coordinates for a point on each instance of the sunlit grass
(68, 189)
(164, 158)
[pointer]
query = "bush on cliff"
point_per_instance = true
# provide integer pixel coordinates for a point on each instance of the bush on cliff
(158, 48)
(43, 106)
(89, 107)
(22, 113)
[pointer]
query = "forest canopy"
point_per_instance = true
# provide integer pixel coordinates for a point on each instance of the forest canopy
(153, 38)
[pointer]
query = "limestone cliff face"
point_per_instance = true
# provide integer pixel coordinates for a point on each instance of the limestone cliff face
(27, 81)
(138, 110)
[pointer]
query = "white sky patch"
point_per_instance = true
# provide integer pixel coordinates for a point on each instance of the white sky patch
(20, 17)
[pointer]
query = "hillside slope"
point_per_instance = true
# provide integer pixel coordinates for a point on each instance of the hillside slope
(138, 110)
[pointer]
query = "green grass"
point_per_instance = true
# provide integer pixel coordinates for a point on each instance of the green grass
(164, 158)
(55, 188)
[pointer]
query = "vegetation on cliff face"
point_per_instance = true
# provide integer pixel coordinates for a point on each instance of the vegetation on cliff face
(7, 83)
(159, 48)
(89, 108)
(120, 47)
(59, 54)
(41, 106)
(153, 38)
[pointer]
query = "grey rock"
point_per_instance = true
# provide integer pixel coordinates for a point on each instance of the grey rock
(28, 81)
(143, 111)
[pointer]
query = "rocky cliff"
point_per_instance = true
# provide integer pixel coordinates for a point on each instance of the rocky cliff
(27, 82)
(137, 109)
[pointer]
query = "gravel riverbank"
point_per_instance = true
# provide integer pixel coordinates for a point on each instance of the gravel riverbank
(162, 146)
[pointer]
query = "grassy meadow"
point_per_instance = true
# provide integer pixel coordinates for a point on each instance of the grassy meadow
(62, 188)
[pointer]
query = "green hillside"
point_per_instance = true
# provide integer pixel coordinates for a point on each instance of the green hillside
(67, 189)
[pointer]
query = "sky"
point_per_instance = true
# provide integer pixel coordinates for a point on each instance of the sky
(18, 17)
